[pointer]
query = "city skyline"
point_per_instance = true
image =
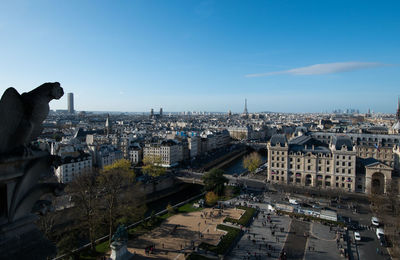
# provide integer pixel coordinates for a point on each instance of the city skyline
(205, 55)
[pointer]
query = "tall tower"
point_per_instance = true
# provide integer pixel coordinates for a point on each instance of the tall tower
(160, 112)
(70, 103)
(151, 113)
(108, 125)
(398, 109)
(245, 112)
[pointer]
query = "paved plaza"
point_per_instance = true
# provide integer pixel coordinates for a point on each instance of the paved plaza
(264, 238)
(179, 234)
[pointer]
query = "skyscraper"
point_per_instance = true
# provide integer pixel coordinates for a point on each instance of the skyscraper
(160, 112)
(70, 103)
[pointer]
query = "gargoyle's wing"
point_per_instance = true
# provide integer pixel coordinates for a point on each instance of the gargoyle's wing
(11, 113)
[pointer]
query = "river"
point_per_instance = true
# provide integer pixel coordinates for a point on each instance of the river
(236, 166)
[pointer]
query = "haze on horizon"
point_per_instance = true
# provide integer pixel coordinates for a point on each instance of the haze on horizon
(287, 56)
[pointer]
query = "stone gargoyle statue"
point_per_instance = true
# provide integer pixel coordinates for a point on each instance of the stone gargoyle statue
(21, 118)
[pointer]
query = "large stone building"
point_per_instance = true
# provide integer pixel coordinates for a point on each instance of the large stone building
(169, 152)
(305, 161)
(353, 162)
(73, 165)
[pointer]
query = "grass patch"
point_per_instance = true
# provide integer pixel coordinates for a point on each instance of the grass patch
(187, 208)
(245, 219)
(102, 248)
(226, 241)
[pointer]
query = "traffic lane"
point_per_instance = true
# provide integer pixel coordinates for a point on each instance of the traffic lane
(367, 247)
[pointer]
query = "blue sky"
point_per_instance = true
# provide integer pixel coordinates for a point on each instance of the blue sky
(288, 56)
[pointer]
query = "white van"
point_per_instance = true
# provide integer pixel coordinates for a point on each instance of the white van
(380, 232)
(375, 221)
(293, 201)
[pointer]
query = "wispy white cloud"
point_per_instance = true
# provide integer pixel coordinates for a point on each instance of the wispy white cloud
(326, 68)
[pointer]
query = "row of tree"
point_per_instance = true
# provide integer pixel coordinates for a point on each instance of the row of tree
(107, 198)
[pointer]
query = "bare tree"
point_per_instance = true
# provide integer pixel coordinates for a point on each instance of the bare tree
(84, 191)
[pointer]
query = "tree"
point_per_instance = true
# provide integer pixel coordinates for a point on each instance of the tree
(252, 161)
(112, 181)
(84, 191)
(215, 180)
(152, 166)
(170, 209)
(211, 198)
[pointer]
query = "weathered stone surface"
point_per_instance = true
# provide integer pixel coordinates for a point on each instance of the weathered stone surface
(21, 116)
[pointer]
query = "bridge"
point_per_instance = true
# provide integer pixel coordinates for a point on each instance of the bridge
(195, 178)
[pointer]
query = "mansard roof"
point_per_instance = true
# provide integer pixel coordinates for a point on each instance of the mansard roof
(339, 140)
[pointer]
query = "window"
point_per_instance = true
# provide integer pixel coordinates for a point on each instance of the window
(349, 163)
(342, 170)
(343, 164)
(327, 169)
(272, 165)
(319, 168)
(291, 159)
(309, 161)
(308, 168)
(337, 178)
(291, 165)
(349, 185)
(298, 159)
(298, 167)
(349, 171)
(337, 163)
(327, 162)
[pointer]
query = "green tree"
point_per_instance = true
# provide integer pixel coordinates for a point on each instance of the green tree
(211, 198)
(252, 161)
(113, 181)
(170, 209)
(152, 166)
(215, 180)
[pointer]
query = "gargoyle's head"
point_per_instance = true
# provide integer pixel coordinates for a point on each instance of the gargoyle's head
(57, 91)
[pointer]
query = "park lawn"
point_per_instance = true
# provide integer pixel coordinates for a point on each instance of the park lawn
(245, 219)
(226, 241)
(187, 208)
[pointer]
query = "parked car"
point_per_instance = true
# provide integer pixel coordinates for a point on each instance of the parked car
(357, 236)
(375, 221)
(380, 233)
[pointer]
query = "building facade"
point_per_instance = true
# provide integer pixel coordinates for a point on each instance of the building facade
(304, 161)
